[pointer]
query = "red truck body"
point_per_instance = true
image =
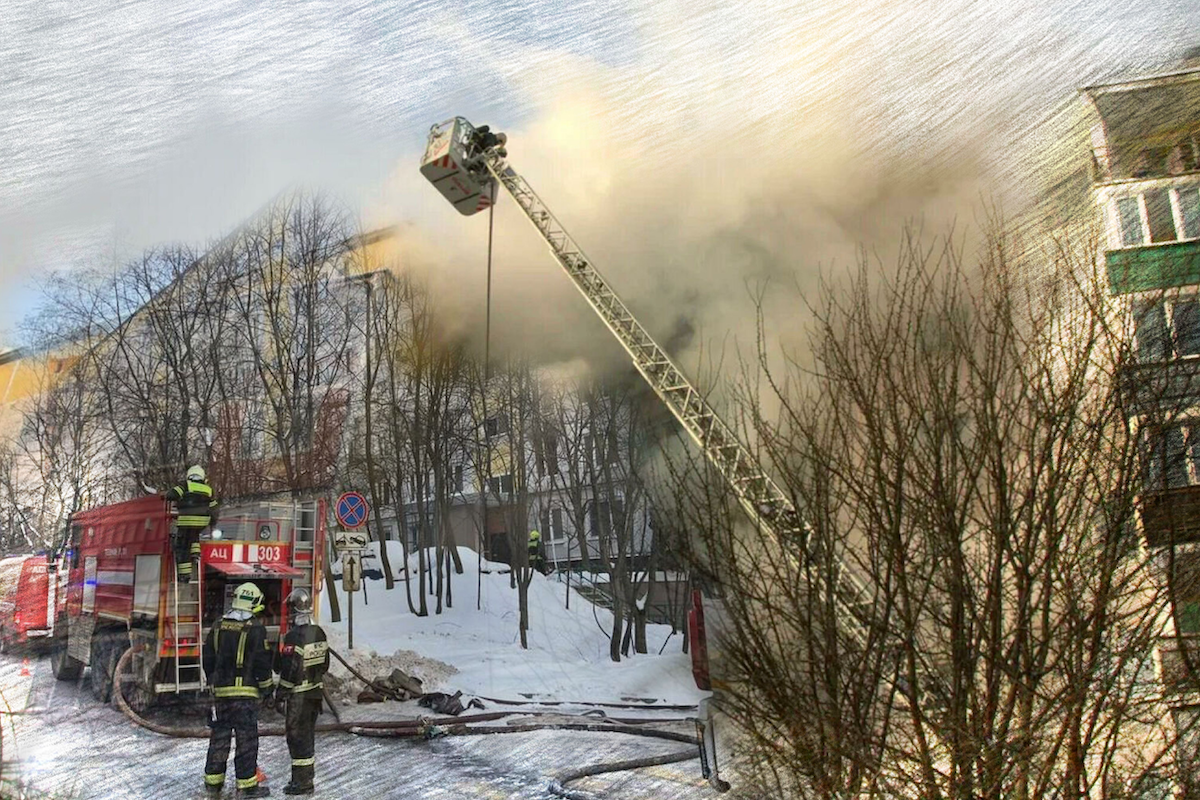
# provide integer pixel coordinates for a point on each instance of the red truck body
(116, 586)
(24, 598)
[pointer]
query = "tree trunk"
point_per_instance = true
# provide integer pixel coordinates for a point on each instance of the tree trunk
(523, 604)
(639, 625)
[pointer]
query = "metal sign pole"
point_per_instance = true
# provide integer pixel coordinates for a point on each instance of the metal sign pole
(351, 511)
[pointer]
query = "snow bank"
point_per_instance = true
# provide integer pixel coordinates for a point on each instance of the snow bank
(433, 674)
(479, 652)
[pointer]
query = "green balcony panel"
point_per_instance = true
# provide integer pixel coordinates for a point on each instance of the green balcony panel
(1163, 266)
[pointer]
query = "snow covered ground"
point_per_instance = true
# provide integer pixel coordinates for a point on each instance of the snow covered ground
(479, 651)
(63, 743)
(66, 746)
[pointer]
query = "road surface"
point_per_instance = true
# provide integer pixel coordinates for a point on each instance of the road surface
(63, 744)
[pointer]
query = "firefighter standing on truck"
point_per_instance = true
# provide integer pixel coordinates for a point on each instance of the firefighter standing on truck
(196, 509)
(301, 662)
(237, 663)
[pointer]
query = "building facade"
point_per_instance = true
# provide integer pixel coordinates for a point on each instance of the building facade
(1145, 178)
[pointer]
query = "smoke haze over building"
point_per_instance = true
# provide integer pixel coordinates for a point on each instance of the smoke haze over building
(691, 149)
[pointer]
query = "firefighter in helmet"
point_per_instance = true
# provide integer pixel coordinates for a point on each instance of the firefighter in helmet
(301, 662)
(195, 510)
(237, 663)
(537, 552)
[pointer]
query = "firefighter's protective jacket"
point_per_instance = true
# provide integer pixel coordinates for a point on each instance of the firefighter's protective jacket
(194, 504)
(237, 658)
(303, 659)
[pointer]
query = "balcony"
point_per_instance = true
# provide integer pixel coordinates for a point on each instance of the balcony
(1171, 516)
(1146, 127)
(1161, 266)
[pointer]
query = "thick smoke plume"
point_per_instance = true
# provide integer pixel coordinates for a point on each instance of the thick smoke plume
(688, 221)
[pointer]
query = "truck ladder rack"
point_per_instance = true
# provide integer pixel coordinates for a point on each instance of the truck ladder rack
(186, 623)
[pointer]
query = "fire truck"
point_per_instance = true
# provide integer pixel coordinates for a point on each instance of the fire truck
(115, 588)
(24, 595)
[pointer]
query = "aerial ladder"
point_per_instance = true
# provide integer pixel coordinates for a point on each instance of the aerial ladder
(467, 164)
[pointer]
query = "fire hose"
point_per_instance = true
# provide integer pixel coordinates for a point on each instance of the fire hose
(557, 786)
(432, 727)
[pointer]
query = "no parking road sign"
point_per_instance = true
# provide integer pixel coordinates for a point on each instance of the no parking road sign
(352, 509)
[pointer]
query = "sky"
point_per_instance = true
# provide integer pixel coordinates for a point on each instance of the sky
(692, 144)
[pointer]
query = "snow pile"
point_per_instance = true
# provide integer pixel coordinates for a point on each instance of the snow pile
(345, 687)
(568, 655)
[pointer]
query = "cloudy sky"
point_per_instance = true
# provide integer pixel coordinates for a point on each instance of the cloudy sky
(125, 124)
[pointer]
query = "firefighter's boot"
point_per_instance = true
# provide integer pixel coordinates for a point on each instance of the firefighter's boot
(258, 790)
(212, 791)
(302, 778)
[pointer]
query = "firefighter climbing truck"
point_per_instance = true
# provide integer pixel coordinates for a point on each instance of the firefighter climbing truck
(116, 588)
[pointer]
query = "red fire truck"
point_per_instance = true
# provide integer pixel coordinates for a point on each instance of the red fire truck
(116, 588)
(24, 598)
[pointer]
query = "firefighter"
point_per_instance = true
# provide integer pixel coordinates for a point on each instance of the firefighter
(195, 510)
(237, 662)
(537, 553)
(301, 663)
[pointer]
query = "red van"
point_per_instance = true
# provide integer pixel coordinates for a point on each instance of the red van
(24, 597)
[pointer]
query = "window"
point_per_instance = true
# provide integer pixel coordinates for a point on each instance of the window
(1185, 316)
(253, 432)
(495, 426)
(1158, 216)
(457, 480)
(500, 484)
(547, 454)
(552, 523)
(1189, 211)
(1130, 211)
(605, 516)
(1158, 213)
(1167, 329)
(412, 525)
(1185, 592)
(1187, 615)
(1171, 456)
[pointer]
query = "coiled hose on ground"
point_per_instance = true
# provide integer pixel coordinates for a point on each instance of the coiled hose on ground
(429, 727)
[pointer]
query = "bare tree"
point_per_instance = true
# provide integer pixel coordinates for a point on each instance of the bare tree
(504, 468)
(602, 428)
(425, 409)
(58, 464)
(958, 437)
(291, 341)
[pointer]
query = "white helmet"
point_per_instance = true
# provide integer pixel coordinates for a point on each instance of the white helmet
(248, 597)
(196, 473)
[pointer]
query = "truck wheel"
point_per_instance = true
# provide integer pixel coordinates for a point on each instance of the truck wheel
(117, 649)
(64, 667)
(101, 670)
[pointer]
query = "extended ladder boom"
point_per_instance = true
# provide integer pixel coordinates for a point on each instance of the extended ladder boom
(762, 499)
(465, 163)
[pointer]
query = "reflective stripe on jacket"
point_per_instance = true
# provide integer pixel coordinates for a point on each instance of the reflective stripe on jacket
(237, 658)
(303, 659)
(195, 505)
